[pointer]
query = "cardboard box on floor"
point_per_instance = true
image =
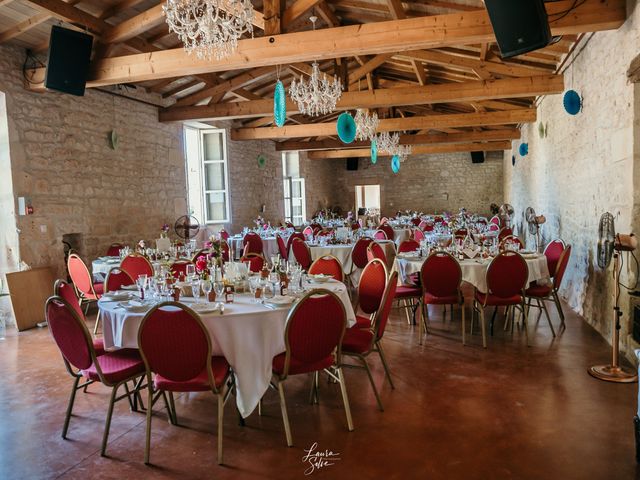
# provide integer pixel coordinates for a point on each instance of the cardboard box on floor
(29, 291)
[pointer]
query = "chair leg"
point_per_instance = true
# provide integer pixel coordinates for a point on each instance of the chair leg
(285, 417)
(260, 407)
(464, 340)
(72, 399)
(556, 300)
(315, 383)
(95, 327)
(546, 312)
(220, 425)
(173, 415)
(345, 398)
(387, 372)
(107, 425)
(484, 329)
(451, 312)
(147, 445)
(405, 305)
(525, 323)
(373, 385)
(423, 321)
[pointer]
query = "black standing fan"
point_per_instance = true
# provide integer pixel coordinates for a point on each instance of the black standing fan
(187, 227)
(610, 245)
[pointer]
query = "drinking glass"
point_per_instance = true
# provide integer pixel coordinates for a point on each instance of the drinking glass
(218, 287)
(206, 289)
(141, 282)
(269, 290)
(195, 289)
(253, 286)
(191, 271)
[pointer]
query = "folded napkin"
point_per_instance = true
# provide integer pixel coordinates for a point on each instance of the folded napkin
(471, 253)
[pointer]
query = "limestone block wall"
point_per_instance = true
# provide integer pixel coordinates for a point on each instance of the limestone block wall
(584, 167)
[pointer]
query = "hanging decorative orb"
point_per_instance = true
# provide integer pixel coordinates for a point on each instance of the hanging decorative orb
(395, 164)
(524, 149)
(374, 151)
(513, 160)
(572, 102)
(279, 104)
(346, 127)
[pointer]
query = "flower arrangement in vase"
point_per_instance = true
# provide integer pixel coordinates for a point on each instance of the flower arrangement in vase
(164, 231)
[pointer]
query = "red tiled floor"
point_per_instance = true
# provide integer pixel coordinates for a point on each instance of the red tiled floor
(456, 413)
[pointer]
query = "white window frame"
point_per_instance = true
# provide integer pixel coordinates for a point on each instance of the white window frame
(225, 163)
(289, 201)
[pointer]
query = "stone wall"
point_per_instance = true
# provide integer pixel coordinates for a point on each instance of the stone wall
(61, 160)
(584, 167)
(430, 183)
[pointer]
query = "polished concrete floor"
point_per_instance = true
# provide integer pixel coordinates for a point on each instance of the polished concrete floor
(510, 411)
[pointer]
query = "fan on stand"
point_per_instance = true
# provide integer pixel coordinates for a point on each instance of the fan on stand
(505, 212)
(187, 227)
(534, 221)
(610, 244)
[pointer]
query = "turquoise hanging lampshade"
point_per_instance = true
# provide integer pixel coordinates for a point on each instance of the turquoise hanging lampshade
(279, 104)
(572, 102)
(524, 149)
(395, 164)
(346, 127)
(374, 151)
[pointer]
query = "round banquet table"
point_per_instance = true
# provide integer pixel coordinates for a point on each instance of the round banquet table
(343, 253)
(248, 334)
(102, 265)
(474, 270)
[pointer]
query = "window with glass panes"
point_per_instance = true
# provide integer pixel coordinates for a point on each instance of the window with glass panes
(294, 193)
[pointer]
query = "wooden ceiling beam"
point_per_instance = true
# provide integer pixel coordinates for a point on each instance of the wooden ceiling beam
(417, 150)
(390, 97)
(69, 13)
(117, 8)
(296, 10)
(428, 139)
(368, 67)
(525, 115)
(135, 25)
(396, 9)
(272, 11)
(325, 12)
(376, 38)
(25, 25)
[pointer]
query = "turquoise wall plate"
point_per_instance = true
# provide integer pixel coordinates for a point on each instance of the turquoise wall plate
(395, 164)
(279, 104)
(346, 127)
(572, 102)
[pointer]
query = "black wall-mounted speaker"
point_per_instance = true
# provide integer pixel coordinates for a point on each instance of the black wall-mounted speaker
(477, 157)
(520, 25)
(352, 163)
(69, 56)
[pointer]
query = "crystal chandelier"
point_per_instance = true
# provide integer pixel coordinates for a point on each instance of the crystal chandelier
(318, 95)
(387, 142)
(210, 28)
(366, 125)
(402, 151)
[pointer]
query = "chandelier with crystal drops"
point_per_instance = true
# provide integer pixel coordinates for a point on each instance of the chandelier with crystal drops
(318, 95)
(387, 142)
(402, 151)
(210, 28)
(366, 125)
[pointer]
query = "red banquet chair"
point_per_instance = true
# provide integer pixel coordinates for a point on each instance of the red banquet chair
(224, 235)
(87, 290)
(256, 261)
(358, 257)
(388, 230)
(511, 240)
(360, 342)
(114, 249)
(428, 227)
(383, 220)
(506, 277)
(282, 247)
(374, 250)
(380, 235)
(460, 233)
(325, 232)
(112, 369)
(252, 243)
(293, 236)
(180, 267)
(68, 293)
(408, 246)
(552, 252)
(505, 232)
(440, 277)
(355, 226)
(328, 265)
(116, 279)
(135, 265)
(415, 222)
(418, 235)
(495, 220)
(308, 230)
(313, 338)
(541, 293)
(373, 282)
(301, 253)
(176, 349)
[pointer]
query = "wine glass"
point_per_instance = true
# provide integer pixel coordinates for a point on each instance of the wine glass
(253, 286)
(269, 290)
(191, 271)
(218, 287)
(195, 289)
(206, 289)
(141, 282)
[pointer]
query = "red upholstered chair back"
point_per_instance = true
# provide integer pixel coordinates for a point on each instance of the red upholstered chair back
(418, 235)
(328, 265)
(173, 342)
(114, 250)
(438, 219)
(79, 274)
(224, 235)
(293, 236)
(135, 265)
(179, 267)
(289, 225)
(224, 248)
(460, 233)
(256, 261)
(441, 275)
(69, 332)
(382, 317)
(359, 252)
(316, 227)
(315, 328)
(371, 287)
(325, 232)
(308, 230)
(561, 267)
(505, 232)
(415, 222)
(116, 279)
(511, 240)
(495, 220)
(553, 251)
(68, 294)
(200, 253)
(493, 227)
(383, 220)
(387, 229)
(428, 227)
(423, 224)
(282, 247)
(355, 226)
(408, 246)
(301, 253)
(375, 251)
(380, 235)
(252, 243)
(507, 274)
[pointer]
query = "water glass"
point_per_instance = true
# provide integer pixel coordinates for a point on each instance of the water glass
(190, 271)
(218, 287)
(206, 289)
(269, 290)
(253, 286)
(195, 289)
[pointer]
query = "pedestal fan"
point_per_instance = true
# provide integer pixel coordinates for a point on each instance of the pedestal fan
(612, 244)
(505, 212)
(187, 227)
(534, 221)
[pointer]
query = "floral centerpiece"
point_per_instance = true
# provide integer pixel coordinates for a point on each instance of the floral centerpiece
(214, 245)
(259, 221)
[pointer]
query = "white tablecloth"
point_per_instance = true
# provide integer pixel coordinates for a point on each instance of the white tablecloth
(269, 246)
(400, 234)
(102, 265)
(249, 335)
(474, 271)
(343, 253)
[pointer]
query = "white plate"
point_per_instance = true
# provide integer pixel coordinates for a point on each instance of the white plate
(115, 296)
(133, 288)
(320, 278)
(279, 301)
(204, 307)
(135, 306)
